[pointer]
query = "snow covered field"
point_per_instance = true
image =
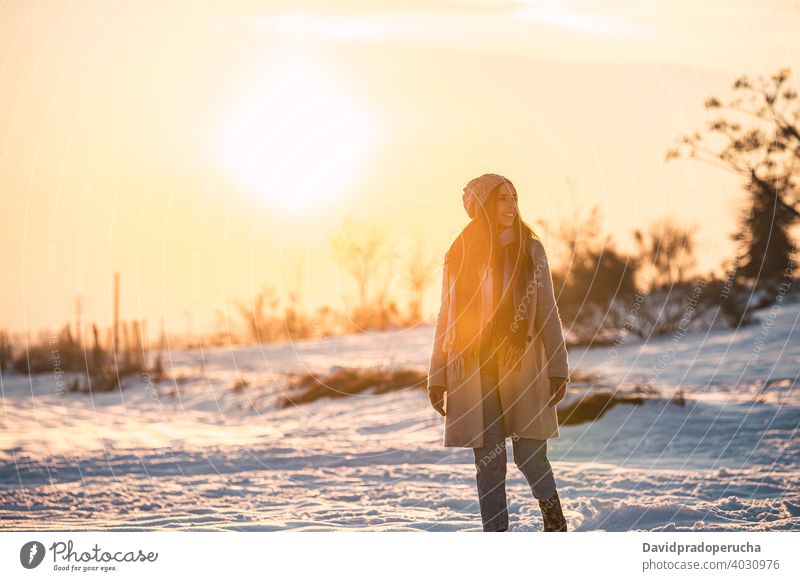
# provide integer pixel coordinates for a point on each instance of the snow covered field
(195, 453)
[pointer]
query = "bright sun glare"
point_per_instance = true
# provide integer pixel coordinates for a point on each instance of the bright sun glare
(299, 138)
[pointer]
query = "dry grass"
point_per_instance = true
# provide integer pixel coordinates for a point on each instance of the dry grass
(351, 381)
(592, 406)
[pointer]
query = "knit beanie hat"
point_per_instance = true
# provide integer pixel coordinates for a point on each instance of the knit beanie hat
(477, 191)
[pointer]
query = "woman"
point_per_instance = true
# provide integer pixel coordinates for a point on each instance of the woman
(499, 355)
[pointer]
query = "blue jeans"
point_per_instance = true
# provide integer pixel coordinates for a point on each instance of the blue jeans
(530, 456)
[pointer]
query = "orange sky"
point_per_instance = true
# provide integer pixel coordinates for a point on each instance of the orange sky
(201, 149)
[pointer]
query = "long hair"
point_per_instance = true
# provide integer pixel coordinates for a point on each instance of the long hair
(477, 246)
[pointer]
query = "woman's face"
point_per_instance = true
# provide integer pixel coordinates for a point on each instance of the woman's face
(506, 206)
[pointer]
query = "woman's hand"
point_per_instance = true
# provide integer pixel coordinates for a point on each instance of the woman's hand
(436, 397)
(558, 389)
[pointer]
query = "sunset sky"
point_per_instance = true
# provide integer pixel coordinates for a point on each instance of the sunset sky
(203, 150)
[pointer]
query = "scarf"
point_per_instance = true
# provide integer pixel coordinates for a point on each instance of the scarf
(507, 313)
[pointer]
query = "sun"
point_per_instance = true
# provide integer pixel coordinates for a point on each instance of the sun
(299, 138)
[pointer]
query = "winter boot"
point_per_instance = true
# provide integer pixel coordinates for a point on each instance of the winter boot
(552, 516)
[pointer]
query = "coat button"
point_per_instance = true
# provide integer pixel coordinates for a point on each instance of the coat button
(529, 338)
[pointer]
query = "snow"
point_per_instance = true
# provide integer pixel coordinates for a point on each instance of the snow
(196, 454)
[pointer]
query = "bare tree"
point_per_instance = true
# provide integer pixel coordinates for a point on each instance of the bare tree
(593, 287)
(298, 323)
(361, 247)
(759, 129)
(669, 250)
(419, 267)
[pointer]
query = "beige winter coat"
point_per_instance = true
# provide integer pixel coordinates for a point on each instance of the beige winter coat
(524, 394)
